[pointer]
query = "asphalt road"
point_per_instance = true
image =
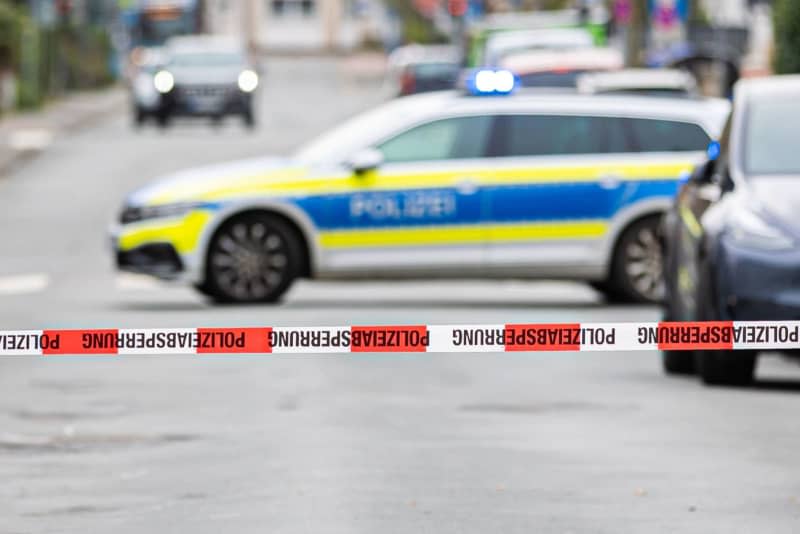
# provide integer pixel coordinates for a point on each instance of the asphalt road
(391, 443)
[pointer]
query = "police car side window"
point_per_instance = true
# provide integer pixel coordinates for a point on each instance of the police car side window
(656, 135)
(453, 138)
(551, 135)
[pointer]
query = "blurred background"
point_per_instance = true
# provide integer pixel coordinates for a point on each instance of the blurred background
(51, 47)
(567, 442)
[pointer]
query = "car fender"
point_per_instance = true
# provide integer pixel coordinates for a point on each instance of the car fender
(624, 217)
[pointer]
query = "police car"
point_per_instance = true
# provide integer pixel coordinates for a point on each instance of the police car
(448, 184)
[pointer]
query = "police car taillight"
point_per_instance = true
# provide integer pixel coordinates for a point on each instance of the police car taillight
(490, 82)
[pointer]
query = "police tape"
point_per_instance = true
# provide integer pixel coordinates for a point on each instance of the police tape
(718, 335)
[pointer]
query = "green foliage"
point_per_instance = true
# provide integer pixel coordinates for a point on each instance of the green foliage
(787, 36)
(10, 27)
(78, 56)
(48, 62)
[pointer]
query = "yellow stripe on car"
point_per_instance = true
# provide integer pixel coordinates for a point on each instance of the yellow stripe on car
(182, 232)
(292, 183)
(454, 235)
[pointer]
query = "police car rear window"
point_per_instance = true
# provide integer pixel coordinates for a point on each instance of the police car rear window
(546, 135)
(553, 135)
(651, 135)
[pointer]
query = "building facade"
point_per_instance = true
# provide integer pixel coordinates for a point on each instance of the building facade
(291, 25)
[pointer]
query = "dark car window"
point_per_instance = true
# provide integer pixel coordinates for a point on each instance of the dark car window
(455, 138)
(550, 135)
(566, 79)
(656, 135)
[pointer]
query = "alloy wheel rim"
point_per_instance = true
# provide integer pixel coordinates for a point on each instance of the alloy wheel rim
(644, 264)
(249, 260)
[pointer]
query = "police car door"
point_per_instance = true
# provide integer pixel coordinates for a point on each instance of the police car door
(551, 194)
(422, 209)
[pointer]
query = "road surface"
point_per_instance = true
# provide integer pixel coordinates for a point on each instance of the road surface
(512, 443)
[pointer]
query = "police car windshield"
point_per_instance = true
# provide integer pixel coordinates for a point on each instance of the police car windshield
(771, 134)
(336, 145)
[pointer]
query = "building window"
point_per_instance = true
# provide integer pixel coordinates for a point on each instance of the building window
(292, 8)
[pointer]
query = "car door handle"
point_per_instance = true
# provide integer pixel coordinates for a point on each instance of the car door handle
(467, 186)
(610, 180)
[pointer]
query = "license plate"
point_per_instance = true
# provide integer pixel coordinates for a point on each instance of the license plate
(205, 103)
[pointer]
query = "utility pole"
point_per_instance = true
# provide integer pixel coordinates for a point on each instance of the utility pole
(636, 38)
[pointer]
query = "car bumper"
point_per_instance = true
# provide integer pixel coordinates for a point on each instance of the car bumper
(169, 248)
(209, 102)
(757, 285)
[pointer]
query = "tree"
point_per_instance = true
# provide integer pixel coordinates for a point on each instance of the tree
(786, 15)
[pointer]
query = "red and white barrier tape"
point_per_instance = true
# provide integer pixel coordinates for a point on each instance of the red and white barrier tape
(761, 335)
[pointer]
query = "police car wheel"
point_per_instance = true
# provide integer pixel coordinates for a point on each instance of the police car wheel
(637, 269)
(252, 258)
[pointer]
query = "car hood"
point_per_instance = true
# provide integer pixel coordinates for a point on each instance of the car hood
(206, 75)
(262, 176)
(778, 197)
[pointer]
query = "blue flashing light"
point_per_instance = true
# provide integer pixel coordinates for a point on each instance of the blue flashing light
(491, 82)
(713, 150)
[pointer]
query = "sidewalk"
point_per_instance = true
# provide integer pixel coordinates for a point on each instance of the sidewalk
(23, 135)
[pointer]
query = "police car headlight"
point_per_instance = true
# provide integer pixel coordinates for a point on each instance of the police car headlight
(248, 81)
(131, 214)
(749, 229)
(163, 81)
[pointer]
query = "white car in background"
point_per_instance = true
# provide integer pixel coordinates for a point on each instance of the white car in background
(504, 43)
(146, 62)
(560, 68)
(646, 82)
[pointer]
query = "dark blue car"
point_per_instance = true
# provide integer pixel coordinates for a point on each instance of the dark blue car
(732, 238)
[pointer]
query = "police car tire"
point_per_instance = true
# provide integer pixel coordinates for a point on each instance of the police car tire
(610, 294)
(621, 287)
(287, 245)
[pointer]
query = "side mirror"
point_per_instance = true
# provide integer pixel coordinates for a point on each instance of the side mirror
(365, 160)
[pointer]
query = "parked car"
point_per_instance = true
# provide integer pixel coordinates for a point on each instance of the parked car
(419, 69)
(649, 82)
(732, 239)
(503, 43)
(560, 68)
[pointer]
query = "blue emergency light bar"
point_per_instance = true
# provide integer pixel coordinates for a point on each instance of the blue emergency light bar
(491, 82)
